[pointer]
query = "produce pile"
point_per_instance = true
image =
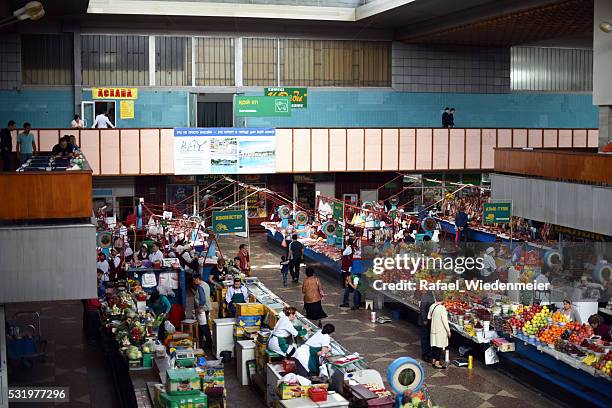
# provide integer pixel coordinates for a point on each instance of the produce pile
(133, 331)
(539, 326)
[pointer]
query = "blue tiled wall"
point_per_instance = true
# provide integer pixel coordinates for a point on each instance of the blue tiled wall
(404, 109)
(42, 108)
(154, 108)
(161, 108)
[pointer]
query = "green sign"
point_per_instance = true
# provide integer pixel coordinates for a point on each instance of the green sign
(497, 212)
(338, 211)
(262, 106)
(299, 96)
(228, 222)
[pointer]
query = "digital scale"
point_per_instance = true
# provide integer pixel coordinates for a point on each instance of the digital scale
(185, 358)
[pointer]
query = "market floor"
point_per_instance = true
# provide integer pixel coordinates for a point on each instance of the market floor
(69, 361)
(381, 344)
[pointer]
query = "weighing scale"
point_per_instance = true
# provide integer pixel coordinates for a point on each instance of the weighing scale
(284, 212)
(330, 229)
(301, 218)
(184, 358)
(405, 374)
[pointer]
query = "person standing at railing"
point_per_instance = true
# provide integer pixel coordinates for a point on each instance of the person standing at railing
(102, 121)
(6, 146)
(25, 144)
(77, 122)
(445, 117)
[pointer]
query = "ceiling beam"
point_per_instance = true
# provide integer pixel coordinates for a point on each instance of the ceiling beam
(378, 6)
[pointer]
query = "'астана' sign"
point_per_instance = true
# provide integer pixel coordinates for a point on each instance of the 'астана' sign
(114, 93)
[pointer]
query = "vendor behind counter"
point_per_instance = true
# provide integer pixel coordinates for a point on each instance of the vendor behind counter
(311, 353)
(282, 339)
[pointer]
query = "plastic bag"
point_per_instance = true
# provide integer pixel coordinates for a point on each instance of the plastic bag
(491, 356)
(169, 327)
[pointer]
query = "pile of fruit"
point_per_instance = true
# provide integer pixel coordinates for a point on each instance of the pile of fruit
(576, 333)
(559, 317)
(551, 334)
(414, 400)
(605, 364)
(535, 318)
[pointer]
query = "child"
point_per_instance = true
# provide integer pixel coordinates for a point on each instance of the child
(284, 268)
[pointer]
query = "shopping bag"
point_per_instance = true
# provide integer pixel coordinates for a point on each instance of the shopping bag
(169, 327)
(491, 356)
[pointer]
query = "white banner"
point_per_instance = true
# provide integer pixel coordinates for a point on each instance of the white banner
(224, 151)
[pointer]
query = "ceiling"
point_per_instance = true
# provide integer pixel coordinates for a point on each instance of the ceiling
(462, 22)
(568, 19)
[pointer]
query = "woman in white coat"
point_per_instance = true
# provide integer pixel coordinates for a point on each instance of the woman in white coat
(309, 353)
(281, 340)
(440, 332)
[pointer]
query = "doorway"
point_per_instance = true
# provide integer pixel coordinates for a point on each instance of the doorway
(91, 109)
(215, 110)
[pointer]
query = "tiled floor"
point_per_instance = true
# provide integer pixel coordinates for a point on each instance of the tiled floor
(380, 344)
(71, 362)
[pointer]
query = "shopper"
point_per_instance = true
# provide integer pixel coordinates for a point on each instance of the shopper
(92, 308)
(346, 262)
(445, 115)
(6, 146)
(156, 255)
(599, 327)
(284, 269)
(202, 308)
(289, 231)
(570, 311)
(440, 331)
(235, 294)
(489, 269)
(355, 285)
(102, 121)
(281, 340)
(25, 144)
(461, 221)
(245, 259)
(451, 118)
(296, 255)
(427, 299)
(318, 345)
(313, 295)
(77, 122)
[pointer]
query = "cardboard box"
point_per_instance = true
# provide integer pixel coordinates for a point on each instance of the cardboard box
(249, 309)
(249, 321)
(182, 381)
(185, 401)
(503, 345)
(286, 391)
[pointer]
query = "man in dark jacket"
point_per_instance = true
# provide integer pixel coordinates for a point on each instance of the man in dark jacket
(427, 299)
(461, 220)
(445, 117)
(6, 146)
(451, 118)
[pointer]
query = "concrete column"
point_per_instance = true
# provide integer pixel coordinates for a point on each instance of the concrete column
(152, 60)
(238, 62)
(77, 77)
(605, 126)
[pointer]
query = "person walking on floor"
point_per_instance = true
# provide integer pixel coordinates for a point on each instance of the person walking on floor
(427, 299)
(296, 255)
(6, 146)
(313, 295)
(451, 118)
(284, 269)
(25, 144)
(440, 331)
(445, 115)
(202, 308)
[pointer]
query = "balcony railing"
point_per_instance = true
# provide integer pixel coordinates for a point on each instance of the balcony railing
(129, 152)
(580, 167)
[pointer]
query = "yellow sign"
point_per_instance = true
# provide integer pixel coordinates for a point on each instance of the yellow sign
(114, 93)
(126, 109)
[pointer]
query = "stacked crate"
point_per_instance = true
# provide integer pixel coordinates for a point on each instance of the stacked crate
(248, 320)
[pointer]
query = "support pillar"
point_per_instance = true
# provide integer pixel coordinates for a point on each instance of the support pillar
(605, 126)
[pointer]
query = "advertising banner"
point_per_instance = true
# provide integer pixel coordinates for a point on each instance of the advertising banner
(224, 151)
(298, 96)
(114, 93)
(229, 222)
(262, 106)
(496, 212)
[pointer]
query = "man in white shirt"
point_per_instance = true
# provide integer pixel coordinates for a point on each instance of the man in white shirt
(103, 265)
(156, 255)
(102, 122)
